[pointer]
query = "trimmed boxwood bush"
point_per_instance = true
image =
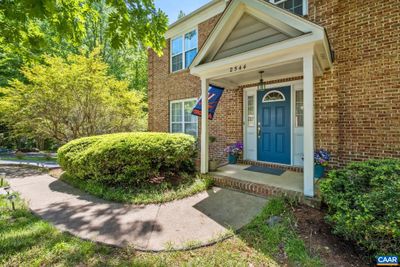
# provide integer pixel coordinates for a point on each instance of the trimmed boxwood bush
(128, 158)
(364, 204)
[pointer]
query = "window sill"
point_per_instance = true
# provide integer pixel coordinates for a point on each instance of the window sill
(179, 71)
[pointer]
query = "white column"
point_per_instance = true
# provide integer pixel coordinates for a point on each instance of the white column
(308, 73)
(204, 126)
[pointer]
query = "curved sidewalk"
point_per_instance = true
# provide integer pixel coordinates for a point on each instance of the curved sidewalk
(199, 219)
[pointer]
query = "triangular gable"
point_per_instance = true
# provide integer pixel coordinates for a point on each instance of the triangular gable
(251, 33)
(250, 24)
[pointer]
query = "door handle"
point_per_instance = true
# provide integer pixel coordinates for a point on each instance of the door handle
(258, 130)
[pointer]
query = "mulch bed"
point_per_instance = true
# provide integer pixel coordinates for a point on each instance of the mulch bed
(319, 239)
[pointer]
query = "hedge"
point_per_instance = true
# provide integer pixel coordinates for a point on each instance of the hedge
(128, 158)
(364, 204)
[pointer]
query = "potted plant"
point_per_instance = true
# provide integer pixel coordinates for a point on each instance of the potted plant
(321, 161)
(234, 151)
(213, 163)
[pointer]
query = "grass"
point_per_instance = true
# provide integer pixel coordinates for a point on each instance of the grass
(28, 158)
(26, 240)
(146, 193)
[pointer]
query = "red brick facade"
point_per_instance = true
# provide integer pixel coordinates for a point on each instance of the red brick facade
(357, 103)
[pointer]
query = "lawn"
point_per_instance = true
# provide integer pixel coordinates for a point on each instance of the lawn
(27, 240)
(29, 158)
(146, 193)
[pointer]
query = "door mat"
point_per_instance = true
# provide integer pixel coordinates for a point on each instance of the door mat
(273, 171)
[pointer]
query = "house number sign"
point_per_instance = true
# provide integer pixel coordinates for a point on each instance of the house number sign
(237, 68)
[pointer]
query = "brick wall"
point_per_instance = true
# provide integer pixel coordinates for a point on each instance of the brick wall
(357, 103)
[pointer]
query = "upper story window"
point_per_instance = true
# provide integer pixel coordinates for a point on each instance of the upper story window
(183, 50)
(298, 7)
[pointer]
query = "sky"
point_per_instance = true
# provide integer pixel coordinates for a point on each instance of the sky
(172, 7)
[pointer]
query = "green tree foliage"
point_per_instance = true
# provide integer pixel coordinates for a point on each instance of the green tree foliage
(129, 21)
(128, 61)
(181, 15)
(64, 99)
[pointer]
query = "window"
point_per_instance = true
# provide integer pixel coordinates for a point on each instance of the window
(182, 120)
(183, 50)
(273, 96)
(250, 111)
(298, 7)
(299, 109)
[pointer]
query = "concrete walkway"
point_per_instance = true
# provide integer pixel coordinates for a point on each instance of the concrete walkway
(201, 218)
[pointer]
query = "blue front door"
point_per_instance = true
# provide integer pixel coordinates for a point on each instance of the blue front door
(274, 125)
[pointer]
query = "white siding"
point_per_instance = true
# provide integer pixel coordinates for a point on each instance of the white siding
(248, 34)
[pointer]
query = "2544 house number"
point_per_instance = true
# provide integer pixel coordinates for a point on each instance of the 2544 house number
(237, 68)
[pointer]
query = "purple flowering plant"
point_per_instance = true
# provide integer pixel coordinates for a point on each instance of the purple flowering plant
(234, 149)
(322, 157)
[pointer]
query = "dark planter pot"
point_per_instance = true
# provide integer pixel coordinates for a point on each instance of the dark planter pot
(232, 159)
(319, 171)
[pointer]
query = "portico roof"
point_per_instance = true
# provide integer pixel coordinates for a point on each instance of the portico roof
(249, 30)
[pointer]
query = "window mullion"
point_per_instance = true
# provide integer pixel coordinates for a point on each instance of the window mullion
(183, 51)
(183, 117)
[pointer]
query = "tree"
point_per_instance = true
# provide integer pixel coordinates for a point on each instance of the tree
(181, 15)
(128, 62)
(68, 99)
(133, 22)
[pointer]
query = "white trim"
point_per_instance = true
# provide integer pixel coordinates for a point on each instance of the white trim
(276, 100)
(308, 88)
(204, 151)
(182, 35)
(251, 91)
(198, 16)
(313, 34)
(275, 54)
(183, 114)
(296, 86)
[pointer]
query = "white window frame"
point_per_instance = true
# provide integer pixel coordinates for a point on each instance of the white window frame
(182, 35)
(264, 100)
(183, 114)
(305, 5)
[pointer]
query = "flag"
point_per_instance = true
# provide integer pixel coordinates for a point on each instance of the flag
(214, 95)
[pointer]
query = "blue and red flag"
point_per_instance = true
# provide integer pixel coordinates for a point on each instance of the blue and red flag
(214, 95)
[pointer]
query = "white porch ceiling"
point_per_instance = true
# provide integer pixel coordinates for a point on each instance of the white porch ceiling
(270, 73)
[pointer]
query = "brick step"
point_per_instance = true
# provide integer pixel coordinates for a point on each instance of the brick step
(264, 190)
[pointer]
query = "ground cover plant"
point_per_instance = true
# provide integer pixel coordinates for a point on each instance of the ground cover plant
(363, 200)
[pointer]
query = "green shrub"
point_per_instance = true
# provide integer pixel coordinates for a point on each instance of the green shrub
(364, 204)
(128, 158)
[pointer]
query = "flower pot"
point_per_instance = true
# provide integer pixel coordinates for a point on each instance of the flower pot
(213, 165)
(319, 171)
(232, 159)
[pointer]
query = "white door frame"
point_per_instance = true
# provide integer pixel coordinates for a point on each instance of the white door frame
(293, 87)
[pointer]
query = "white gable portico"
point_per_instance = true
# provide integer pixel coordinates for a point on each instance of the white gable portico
(253, 36)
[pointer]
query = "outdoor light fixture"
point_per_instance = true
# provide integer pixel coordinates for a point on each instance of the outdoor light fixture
(261, 84)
